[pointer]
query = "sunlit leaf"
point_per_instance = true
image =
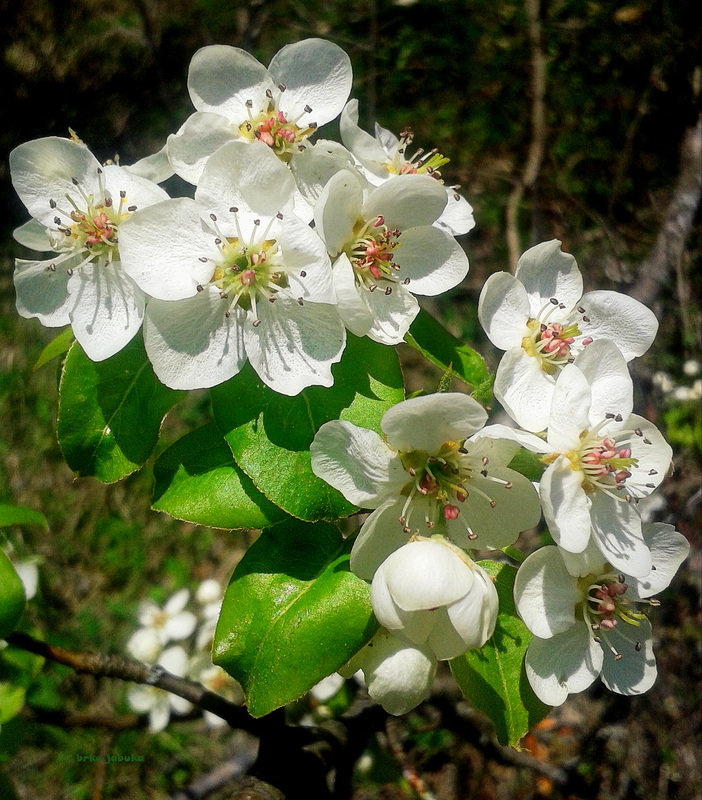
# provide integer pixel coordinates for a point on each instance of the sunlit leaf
(12, 597)
(56, 347)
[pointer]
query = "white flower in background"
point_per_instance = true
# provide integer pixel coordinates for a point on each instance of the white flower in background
(216, 680)
(236, 97)
(162, 625)
(398, 675)
(327, 687)
(426, 475)
(210, 595)
(157, 703)
(691, 368)
(26, 568)
(601, 459)
(384, 156)
(385, 250)
(432, 594)
(541, 318)
(233, 279)
(586, 620)
(78, 207)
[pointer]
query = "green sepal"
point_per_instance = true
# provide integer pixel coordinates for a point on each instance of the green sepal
(493, 678)
(56, 347)
(197, 480)
(293, 613)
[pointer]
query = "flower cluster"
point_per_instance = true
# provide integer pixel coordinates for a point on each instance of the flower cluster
(154, 644)
(284, 246)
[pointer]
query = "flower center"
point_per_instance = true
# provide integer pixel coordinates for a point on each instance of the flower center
(420, 163)
(446, 478)
(551, 342)
(371, 253)
(273, 128)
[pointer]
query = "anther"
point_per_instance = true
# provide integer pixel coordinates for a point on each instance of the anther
(462, 451)
(581, 309)
(57, 220)
(74, 181)
(69, 272)
(646, 441)
(553, 301)
(637, 647)
(234, 210)
(618, 418)
(300, 301)
(493, 503)
(200, 287)
(132, 208)
(249, 104)
(282, 87)
(269, 94)
(52, 203)
(52, 267)
(303, 274)
(388, 291)
(653, 472)
(203, 259)
(279, 215)
(307, 110)
(609, 415)
(586, 319)
(405, 281)
(638, 431)
(223, 295)
(256, 323)
(485, 461)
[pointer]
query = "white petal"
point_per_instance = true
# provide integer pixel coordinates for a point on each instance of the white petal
(547, 272)
(191, 344)
(161, 247)
(425, 423)
(629, 324)
(570, 409)
(611, 387)
(473, 618)
(142, 698)
(209, 591)
(338, 209)
(317, 74)
(132, 190)
(181, 625)
(327, 687)
(590, 560)
(106, 309)
(177, 602)
(355, 314)
(635, 672)
(33, 235)
(380, 536)
(668, 550)
(304, 253)
(565, 505)
(365, 147)
(44, 169)
(528, 440)
(432, 259)
(244, 174)
(457, 218)
(652, 452)
(179, 704)
(545, 593)
(221, 79)
(358, 463)
(201, 135)
(524, 390)
(407, 201)
(295, 346)
(43, 293)
(503, 310)
(563, 665)
(616, 527)
(315, 166)
(144, 645)
(392, 314)
(398, 676)
(156, 167)
(174, 660)
(159, 714)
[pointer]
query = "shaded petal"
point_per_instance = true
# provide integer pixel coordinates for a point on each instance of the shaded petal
(628, 323)
(392, 314)
(338, 209)
(317, 74)
(473, 618)
(198, 138)
(314, 167)
(528, 440)
(425, 423)
(545, 593)
(156, 167)
(365, 147)
(191, 344)
(616, 527)
(43, 293)
(432, 259)
(547, 272)
(565, 505)
(668, 550)
(407, 201)
(380, 536)
(295, 345)
(524, 390)
(138, 192)
(457, 218)
(503, 310)
(356, 315)
(34, 236)
(304, 252)
(635, 672)
(221, 79)
(611, 387)
(358, 463)
(570, 409)
(567, 663)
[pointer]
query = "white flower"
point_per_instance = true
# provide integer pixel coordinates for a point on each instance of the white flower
(691, 367)
(385, 249)
(216, 680)
(432, 594)
(78, 207)
(385, 156)
(236, 97)
(209, 594)
(327, 687)
(585, 620)
(155, 702)
(427, 475)
(601, 459)
(542, 321)
(170, 623)
(234, 278)
(398, 675)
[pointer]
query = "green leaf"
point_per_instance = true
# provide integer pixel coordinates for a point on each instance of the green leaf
(110, 412)
(197, 480)
(442, 348)
(19, 515)
(12, 597)
(270, 434)
(11, 700)
(56, 347)
(528, 463)
(493, 678)
(293, 614)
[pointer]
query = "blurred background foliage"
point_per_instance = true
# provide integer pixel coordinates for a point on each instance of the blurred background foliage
(623, 84)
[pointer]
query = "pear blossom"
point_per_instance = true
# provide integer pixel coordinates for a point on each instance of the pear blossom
(384, 156)
(432, 594)
(385, 250)
(234, 278)
(426, 475)
(161, 625)
(78, 207)
(541, 318)
(157, 703)
(216, 680)
(600, 460)
(236, 97)
(210, 595)
(586, 617)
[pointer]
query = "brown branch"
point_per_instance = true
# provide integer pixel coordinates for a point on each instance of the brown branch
(668, 250)
(538, 132)
(61, 718)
